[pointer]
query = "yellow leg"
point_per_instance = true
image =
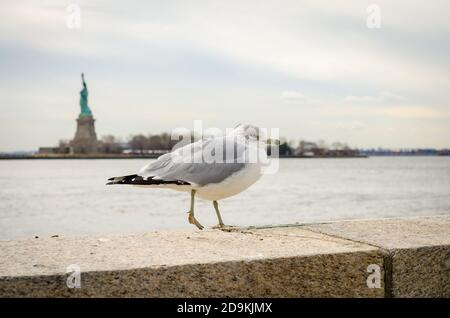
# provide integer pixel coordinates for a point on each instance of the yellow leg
(191, 217)
(219, 217)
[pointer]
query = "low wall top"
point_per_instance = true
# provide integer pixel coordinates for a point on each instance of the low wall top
(408, 256)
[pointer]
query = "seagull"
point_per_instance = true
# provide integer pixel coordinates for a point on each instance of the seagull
(212, 168)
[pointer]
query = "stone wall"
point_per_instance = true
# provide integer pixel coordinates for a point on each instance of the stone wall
(85, 140)
(365, 258)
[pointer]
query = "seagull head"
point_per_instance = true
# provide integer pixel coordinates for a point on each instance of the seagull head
(249, 132)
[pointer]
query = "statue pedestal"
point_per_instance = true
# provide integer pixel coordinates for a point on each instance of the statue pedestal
(85, 140)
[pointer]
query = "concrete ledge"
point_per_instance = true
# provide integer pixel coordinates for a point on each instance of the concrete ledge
(324, 260)
(417, 249)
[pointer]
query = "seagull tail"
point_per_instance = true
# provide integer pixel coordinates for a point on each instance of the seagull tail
(135, 179)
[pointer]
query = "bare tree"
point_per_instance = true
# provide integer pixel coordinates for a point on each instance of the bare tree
(111, 144)
(166, 142)
(155, 142)
(139, 143)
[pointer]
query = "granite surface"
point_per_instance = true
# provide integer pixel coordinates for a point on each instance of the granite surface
(393, 233)
(410, 257)
(417, 249)
(288, 262)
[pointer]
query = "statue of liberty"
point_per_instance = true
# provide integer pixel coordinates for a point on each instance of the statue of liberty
(85, 110)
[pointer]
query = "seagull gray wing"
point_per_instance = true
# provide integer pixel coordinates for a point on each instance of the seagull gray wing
(199, 163)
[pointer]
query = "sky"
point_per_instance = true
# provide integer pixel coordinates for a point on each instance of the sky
(317, 70)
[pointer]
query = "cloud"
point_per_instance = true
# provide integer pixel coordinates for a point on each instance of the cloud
(160, 58)
(379, 111)
(381, 97)
(419, 112)
(278, 38)
(293, 96)
(354, 125)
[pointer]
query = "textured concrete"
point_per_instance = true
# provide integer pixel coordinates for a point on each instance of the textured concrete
(417, 249)
(325, 260)
(286, 262)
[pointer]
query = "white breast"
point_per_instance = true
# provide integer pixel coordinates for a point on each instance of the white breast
(232, 185)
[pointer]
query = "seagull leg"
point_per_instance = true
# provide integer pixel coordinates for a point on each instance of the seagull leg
(191, 217)
(219, 217)
(221, 226)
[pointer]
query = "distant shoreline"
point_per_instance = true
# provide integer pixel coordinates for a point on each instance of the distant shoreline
(147, 156)
(155, 156)
(99, 156)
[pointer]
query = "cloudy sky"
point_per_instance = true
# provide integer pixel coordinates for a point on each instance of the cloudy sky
(313, 69)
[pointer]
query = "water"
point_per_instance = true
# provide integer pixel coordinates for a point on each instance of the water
(69, 197)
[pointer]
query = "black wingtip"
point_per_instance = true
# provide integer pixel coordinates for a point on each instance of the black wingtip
(121, 180)
(135, 179)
